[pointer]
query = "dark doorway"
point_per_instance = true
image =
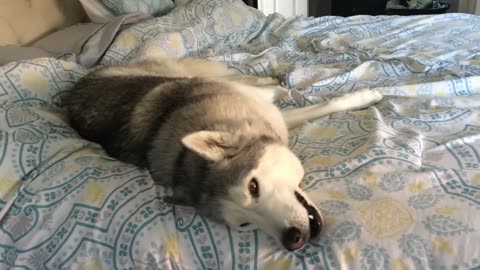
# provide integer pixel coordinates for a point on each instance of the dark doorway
(252, 3)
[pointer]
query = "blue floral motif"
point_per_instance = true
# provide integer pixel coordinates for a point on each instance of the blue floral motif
(91, 217)
(392, 182)
(50, 196)
(243, 266)
(344, 232)
(415, 248)
(374, 258)
(423, 201)
(445, 226)
(148, 211)
(335, 207)
(311, 254)
(198, 228)
(343, 169)
(206, 252)
(379, 152)
(123, 250)
(131, 227)
(126, 191)
(9, 256)
(359, 192)
(62, 232)
(244, 247)
(141, 182)
(112, 205)
(51, 246)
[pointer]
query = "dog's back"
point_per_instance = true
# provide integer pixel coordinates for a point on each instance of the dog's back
(143, 117)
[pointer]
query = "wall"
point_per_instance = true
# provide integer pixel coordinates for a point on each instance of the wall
(469, 6)
(453, 5)
(287, 8)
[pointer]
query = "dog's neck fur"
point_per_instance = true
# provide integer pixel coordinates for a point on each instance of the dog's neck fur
(247, 128)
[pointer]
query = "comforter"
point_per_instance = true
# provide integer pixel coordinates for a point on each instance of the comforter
(398, 183)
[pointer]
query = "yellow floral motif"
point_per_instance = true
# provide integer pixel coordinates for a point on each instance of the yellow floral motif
(176, 42)
(476, 179)
(464, 100)
(442, 246)
(446, 210)
(155, 51)
(349, 255)
(66, 64)
(319, 161)
(370, 178)
(412, 89)
(399, 264)
(34, 80)
(236, 17)
(316, 132)
(127, 40)
(385, 218)
(337, 195)
(329, 222)
(7, 186)
(416, 187)
(90, 263)
(171, 246)
(94, 193)
(442, 92)
(278, 264)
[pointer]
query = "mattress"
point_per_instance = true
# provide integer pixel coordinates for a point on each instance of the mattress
(398, 183)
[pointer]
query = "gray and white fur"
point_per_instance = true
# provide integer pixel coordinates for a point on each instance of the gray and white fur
(211, 134)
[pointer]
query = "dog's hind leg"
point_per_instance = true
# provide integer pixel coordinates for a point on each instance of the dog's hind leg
(353, 101)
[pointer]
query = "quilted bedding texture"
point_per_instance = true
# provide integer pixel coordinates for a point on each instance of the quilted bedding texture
(399, 182)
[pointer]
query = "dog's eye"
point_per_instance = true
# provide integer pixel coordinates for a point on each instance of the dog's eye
(253, 187)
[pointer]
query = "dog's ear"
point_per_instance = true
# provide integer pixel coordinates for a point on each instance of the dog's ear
(213, 145)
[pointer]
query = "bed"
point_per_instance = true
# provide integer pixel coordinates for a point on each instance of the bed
(398, 183)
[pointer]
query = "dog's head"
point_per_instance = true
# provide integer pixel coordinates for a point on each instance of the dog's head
(253, 182)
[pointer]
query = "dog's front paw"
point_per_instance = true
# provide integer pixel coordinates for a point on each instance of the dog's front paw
(370, 96)
(357, 100)
(268, 81)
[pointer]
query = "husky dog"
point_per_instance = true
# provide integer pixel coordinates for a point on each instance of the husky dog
(211, 134)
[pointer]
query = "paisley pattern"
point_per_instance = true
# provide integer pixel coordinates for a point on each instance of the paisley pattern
(398, 183)
(445, 226)
(374, 257)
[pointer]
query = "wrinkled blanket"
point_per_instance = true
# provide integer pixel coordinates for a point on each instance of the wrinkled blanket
(399, 182)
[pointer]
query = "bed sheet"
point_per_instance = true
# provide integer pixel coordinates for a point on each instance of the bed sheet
(398, 183)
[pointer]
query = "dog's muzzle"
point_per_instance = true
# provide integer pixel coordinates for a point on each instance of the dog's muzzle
(293, 238)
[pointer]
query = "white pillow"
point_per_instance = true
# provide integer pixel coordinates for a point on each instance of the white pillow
(181, 2)
(96, 11)
(152, 7)
(102, 11)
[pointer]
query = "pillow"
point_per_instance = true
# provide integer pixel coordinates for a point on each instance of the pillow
(103, 11)
(152, 7)
(11, 53)
(179, 3)
(96, 11)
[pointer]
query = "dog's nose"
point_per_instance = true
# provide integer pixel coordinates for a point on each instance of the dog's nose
(293, 239)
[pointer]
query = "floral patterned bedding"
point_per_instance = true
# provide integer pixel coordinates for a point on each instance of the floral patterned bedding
(399, 182)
